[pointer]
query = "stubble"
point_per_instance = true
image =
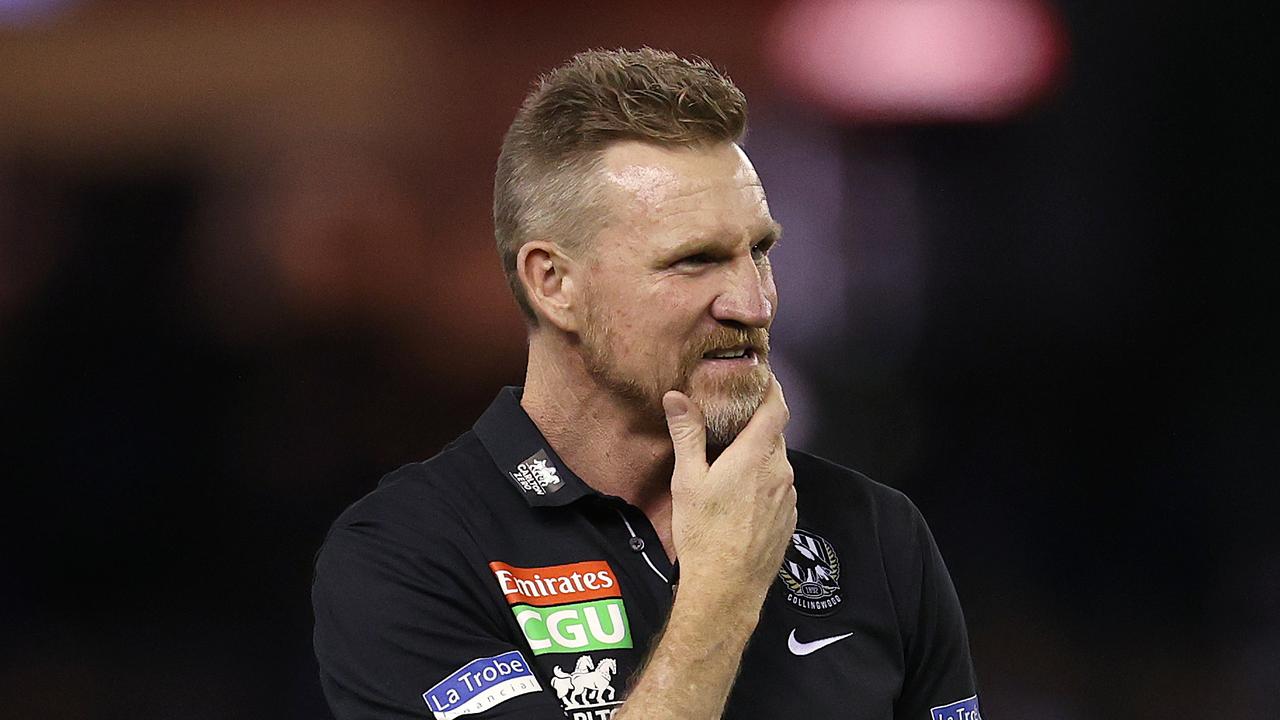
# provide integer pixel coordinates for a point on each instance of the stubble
(727, 402)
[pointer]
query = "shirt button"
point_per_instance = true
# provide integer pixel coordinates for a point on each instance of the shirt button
(637, 544)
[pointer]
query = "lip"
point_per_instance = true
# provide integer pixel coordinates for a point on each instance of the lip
(749, 359)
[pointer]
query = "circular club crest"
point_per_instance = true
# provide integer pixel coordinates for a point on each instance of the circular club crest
(810, 573)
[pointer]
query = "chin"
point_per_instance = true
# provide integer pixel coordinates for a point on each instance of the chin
(728, 412)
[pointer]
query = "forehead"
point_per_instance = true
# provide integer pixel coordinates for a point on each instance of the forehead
(669, 193)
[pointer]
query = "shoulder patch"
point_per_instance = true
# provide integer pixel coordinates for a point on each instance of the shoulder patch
(480, 685)
(966, 709)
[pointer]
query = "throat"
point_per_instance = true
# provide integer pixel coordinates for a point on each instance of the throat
(606, 442)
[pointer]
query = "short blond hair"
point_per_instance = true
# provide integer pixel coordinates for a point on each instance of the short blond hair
(542, 187)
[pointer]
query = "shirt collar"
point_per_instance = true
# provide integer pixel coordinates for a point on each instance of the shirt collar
(524, 456)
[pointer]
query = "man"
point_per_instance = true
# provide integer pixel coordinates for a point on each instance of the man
(629, 536)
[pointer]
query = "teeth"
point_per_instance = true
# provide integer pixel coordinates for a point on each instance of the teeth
(727, 354)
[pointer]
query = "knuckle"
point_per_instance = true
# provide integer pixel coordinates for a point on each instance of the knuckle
(683, 433)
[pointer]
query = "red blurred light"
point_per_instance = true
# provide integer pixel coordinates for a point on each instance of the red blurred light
(920, 60)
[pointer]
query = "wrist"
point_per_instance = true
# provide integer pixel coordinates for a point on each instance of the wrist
(722, 607)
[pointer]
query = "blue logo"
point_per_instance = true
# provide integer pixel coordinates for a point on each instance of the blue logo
(481, 684)
(966, 709)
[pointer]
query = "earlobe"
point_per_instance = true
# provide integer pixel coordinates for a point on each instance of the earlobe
(546, 275)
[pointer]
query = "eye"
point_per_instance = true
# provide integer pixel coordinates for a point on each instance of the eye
(696, 259)
(760, 251)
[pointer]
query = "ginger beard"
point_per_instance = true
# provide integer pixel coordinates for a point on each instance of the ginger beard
(727, 397)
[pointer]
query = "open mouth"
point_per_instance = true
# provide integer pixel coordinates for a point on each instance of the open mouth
(739, 353)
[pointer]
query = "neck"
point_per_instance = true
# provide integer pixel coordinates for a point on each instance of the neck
(613, 445)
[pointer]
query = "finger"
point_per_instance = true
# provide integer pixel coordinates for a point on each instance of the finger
(688, 432)
(766, 425)
(780, 468)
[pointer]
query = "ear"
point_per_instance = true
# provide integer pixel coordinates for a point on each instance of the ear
(549, 281)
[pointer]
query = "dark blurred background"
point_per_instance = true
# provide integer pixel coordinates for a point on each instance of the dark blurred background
(246, 267)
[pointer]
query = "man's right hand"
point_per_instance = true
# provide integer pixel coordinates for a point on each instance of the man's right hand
(731, 520)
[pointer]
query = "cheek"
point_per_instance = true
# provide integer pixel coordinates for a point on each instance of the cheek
(630, 333)
(652, 327)
(674, 317)
(685, 303)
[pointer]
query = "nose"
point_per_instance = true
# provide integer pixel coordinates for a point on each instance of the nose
(749, 295)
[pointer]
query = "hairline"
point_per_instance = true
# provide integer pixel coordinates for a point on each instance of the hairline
(577, 228)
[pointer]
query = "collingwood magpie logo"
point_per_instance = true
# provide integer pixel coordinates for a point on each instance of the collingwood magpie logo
(536, 475)
(811, 574)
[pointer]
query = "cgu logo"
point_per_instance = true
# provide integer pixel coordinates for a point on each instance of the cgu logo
(597, 625)
(575, 607)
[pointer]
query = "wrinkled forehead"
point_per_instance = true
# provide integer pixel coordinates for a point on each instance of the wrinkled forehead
(651, 184)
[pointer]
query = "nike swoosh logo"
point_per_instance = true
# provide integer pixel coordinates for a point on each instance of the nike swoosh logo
(804, 648)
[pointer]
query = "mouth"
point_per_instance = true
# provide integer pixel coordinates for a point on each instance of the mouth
(738, 354)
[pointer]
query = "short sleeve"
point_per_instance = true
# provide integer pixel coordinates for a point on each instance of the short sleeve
(940, 683)
(403, 630)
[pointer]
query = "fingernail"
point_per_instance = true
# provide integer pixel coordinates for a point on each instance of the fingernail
(675, 406)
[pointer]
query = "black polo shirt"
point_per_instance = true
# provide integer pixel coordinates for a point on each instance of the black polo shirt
(491, 580)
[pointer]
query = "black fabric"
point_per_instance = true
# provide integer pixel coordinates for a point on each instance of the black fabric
(405, 594)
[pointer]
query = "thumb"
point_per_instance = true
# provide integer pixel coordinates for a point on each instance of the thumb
(688, 432)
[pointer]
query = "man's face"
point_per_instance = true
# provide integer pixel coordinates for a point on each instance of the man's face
(679, 292)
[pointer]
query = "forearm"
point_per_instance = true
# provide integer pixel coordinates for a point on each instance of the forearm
(692, 666)
(730, 522)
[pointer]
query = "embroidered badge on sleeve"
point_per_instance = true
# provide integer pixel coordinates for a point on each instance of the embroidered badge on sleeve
(966, 709)
(480, 685)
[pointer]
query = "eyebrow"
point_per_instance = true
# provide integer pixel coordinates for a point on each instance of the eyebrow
(775, 232)
(773, 235)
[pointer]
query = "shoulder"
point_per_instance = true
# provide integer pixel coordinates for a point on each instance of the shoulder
(861, 511)
(414, 531)
(430, 497)
(829, 482)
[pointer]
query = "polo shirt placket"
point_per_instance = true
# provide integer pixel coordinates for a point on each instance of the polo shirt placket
(610, 532)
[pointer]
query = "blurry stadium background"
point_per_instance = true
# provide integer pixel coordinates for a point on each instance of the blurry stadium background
(246, 267)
